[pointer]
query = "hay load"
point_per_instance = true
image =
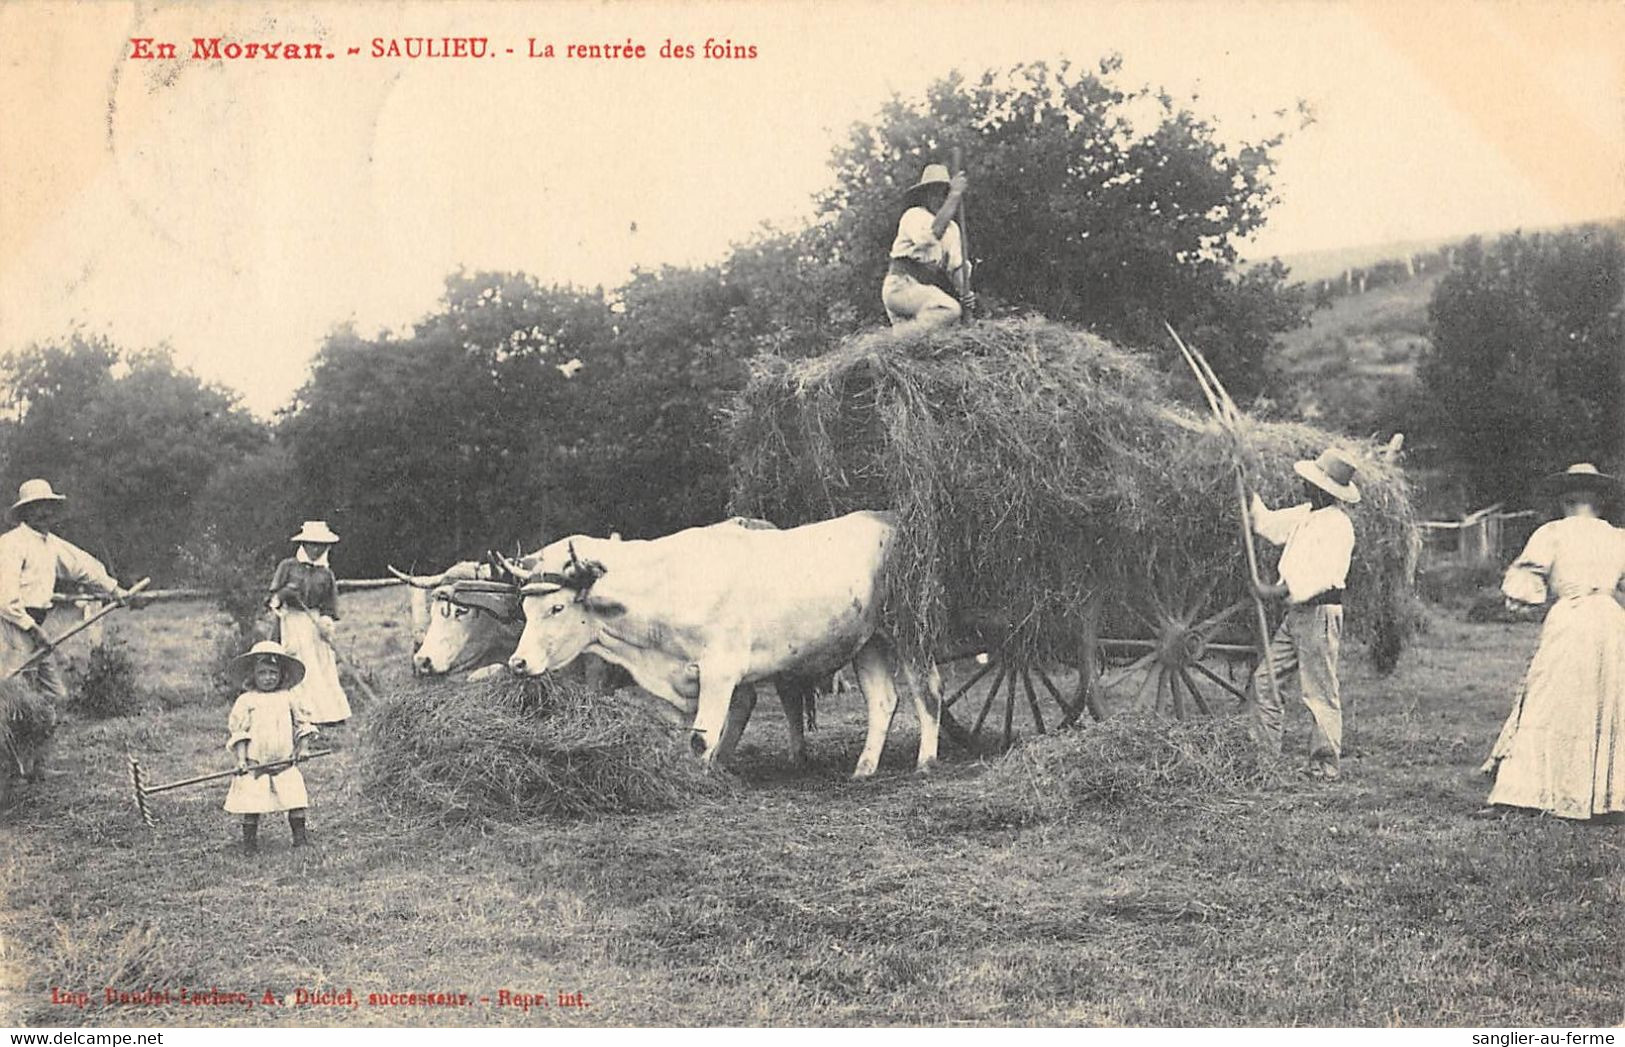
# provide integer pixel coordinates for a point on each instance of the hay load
(1031, 467)
(512, 750)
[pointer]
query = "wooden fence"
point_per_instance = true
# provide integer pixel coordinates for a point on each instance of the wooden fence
(1487, 536)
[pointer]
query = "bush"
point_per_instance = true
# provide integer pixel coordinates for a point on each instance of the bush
(105, 685)
(238, 576)
(523, 750)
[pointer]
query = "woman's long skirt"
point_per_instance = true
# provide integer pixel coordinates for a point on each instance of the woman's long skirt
(319, 690)
(1563, 748)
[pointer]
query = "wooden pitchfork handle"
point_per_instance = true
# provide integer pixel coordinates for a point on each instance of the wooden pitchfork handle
(346, 661)
(964, 243)
(52, 645)
(1229, 418)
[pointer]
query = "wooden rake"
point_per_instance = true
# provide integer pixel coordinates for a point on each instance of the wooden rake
(1230, 419)
(144, 791)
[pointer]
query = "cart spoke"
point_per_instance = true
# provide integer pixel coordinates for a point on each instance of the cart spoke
(1145, 620)
(1117, 676)
(1153, 590)
(1032, 700)
(968, 684)
(1223, 616)
(992, 693)
(1196, 694)
(1151, 684)
(1009, 709)
(1175, 693)
(1055, 692)
(1194, 607)
(1221, 681)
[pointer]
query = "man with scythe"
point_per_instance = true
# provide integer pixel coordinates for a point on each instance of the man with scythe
(32, 558)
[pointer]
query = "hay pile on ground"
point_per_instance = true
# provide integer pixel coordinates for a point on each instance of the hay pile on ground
(26, 722)
(1128, 763)
(1032, 465)
(519, 750)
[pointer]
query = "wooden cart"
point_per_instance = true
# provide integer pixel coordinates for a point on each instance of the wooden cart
(1167, 645)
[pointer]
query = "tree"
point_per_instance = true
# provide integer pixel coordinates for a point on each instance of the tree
(1090, 203)
(440, 445)
(131, 438)
(1526, 373)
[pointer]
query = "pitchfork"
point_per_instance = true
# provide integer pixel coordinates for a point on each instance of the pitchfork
(1230, 419)
(46, 648)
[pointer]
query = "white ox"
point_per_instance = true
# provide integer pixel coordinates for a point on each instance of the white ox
(465, 618)
(472, 620)
(695, 614)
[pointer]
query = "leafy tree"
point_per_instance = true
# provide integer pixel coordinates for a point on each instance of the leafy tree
(1091, 203)
(131, 438)
(432, 447)
(1526, 373)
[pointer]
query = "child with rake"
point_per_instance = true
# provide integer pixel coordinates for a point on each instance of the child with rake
(269, 726)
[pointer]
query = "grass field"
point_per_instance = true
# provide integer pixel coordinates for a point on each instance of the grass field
(807, 899)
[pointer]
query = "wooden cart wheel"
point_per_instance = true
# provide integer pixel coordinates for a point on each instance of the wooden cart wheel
(1173, 666)
(1001, 700)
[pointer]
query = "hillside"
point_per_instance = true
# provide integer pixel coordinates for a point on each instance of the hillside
(1310, 267)
(1353, 367)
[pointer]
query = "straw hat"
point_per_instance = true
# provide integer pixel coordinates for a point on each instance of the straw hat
(1332, 473)
(35, 491)
(316, 532)
(1582, 476)
(293, 670)
(934, 174)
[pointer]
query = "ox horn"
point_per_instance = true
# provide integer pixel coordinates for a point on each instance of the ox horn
(580, 573)
(417, 582)
(519, 571)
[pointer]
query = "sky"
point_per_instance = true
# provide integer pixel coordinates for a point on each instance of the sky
(239, 211)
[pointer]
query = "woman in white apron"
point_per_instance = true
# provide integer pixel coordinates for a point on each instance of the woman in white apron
(304, 595)
(1562, 750)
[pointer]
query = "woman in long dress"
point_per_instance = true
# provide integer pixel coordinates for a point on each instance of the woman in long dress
(1562, 749)
(304, 595)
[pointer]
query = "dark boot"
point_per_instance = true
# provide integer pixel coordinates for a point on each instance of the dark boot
(296, 822)
(251, 831)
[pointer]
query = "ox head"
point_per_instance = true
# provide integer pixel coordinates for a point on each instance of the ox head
(472, 617)
(560, 608)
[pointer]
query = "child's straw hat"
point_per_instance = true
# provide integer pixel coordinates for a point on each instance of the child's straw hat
(293, 670)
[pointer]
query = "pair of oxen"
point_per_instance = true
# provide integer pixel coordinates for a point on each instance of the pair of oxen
(697, 618)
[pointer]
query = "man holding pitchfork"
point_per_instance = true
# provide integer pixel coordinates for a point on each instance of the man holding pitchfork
(1319, 543)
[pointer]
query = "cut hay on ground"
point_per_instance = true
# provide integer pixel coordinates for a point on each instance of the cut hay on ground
(1131, 762)
(26, 722)
(1032, 465)
(517, 750)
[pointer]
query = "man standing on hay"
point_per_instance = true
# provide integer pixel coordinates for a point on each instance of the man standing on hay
(1319, 545)
(925, 281)
(32, 558)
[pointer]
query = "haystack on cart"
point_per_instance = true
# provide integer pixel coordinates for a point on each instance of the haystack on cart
(1059, 511)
